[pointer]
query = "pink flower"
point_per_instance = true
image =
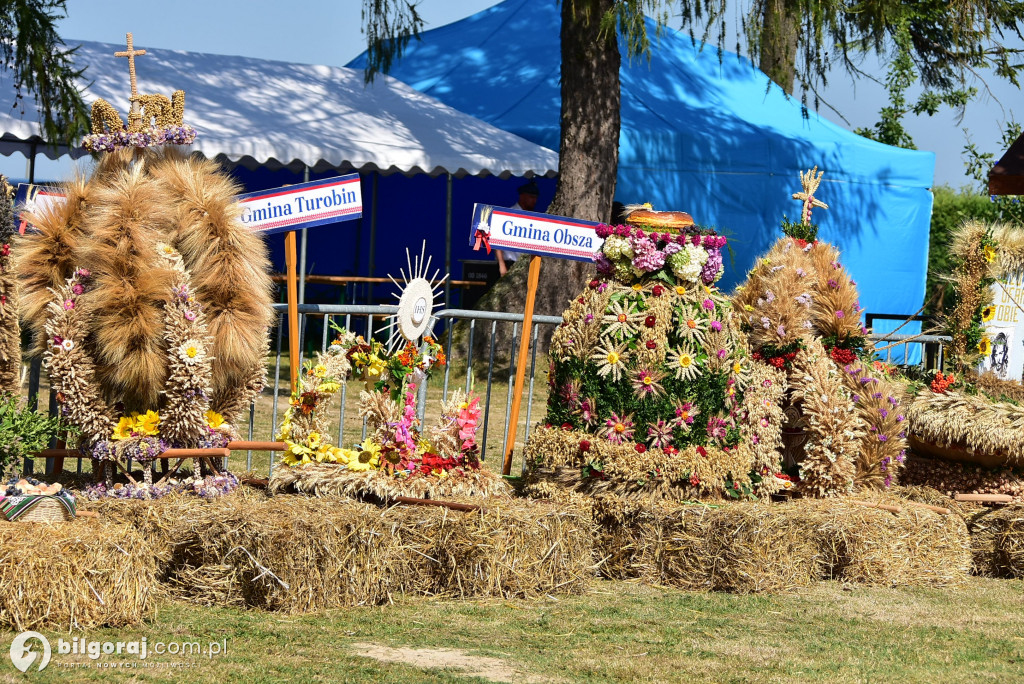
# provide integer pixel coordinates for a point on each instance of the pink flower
(190, 315)
(840, 314)
(77, 288)
(709, 305)
(69, 304)
(716, 326)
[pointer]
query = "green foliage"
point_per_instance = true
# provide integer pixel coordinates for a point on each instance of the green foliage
(388, 25)
(24, 431)
(948, 41)
(43, 66)
(799, 231)
(902, 74)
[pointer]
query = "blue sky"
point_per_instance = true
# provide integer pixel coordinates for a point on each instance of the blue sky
(328, 32)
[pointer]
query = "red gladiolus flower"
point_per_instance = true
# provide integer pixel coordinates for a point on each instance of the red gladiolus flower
(651, 344)
(584, 445)
(657, 290)
(649, 321)
(702, 451)
(594, 284)
(640, 448)
(567, 426)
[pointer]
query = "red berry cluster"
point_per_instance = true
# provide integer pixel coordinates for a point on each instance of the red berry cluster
(842, 356)
(941, 384)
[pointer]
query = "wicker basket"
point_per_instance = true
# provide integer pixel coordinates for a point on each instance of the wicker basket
(47, 510)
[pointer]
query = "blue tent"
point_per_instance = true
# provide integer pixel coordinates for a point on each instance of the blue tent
(701, 132)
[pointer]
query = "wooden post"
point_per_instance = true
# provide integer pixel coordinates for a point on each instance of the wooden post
(524, 348)
(290, 258)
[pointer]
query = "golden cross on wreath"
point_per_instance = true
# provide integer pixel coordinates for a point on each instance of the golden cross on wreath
(131, 53)
(810, 182)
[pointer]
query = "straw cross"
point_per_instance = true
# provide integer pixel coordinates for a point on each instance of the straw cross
(810, 182)
(131, 54)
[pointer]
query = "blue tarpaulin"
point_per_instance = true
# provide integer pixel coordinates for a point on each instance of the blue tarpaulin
(704, 132)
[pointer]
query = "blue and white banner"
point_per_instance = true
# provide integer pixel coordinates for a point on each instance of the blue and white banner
(305, 205)
(292, 207)
(534, 233)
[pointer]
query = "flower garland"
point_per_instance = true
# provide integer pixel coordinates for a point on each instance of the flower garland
(395, 444)
(148, 137)
(71, 368)
(189, 366)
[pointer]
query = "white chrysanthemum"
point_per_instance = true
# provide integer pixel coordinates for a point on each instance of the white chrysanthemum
(610, 360)
(67, 345)
(167, 252)
(191, 351)
(690, 325)
(683, 361)
(621, 318)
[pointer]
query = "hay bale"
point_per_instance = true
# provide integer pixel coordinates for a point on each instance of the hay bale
(732, 547)
(300, 554)
(997, 541)
(875, 547)
(750, 547)
(75, 575)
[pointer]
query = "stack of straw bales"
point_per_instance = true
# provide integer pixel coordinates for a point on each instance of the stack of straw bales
(299, 554)
(750, 547)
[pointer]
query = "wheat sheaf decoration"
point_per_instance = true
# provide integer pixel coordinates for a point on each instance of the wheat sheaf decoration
(149, 300)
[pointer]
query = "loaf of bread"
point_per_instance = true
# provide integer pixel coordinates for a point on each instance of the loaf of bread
(659, 220)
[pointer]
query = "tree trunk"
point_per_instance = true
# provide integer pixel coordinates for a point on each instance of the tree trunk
(588, 163)
(780, 26)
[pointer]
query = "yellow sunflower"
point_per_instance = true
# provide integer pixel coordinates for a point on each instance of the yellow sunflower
(988, 313)
(148, 423)
(990, 253)
(214, 419)
(124, 427)
(985, 346)
(368, 458)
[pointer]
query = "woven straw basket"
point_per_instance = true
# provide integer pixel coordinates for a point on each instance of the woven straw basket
(47, 510)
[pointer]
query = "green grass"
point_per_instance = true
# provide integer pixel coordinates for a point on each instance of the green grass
(619, 632)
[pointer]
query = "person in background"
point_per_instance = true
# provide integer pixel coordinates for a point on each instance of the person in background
(528, 194)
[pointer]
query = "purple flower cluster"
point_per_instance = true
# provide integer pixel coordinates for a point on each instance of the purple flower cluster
(641, 252)
(647, 257)
(150, 137)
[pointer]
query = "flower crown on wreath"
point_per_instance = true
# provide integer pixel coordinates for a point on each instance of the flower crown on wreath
(153, 119)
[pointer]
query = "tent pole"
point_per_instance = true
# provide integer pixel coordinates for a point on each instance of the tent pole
(32, 165)
(448, 248)
(302, 250)
(373, 232)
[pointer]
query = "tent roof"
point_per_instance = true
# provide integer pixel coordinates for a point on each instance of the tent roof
(687, 108)
(266, 113)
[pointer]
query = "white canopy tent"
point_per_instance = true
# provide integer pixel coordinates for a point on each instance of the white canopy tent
(257, 112)
(261, 113)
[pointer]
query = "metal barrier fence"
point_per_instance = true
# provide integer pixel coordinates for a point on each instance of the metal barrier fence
(362, 319)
